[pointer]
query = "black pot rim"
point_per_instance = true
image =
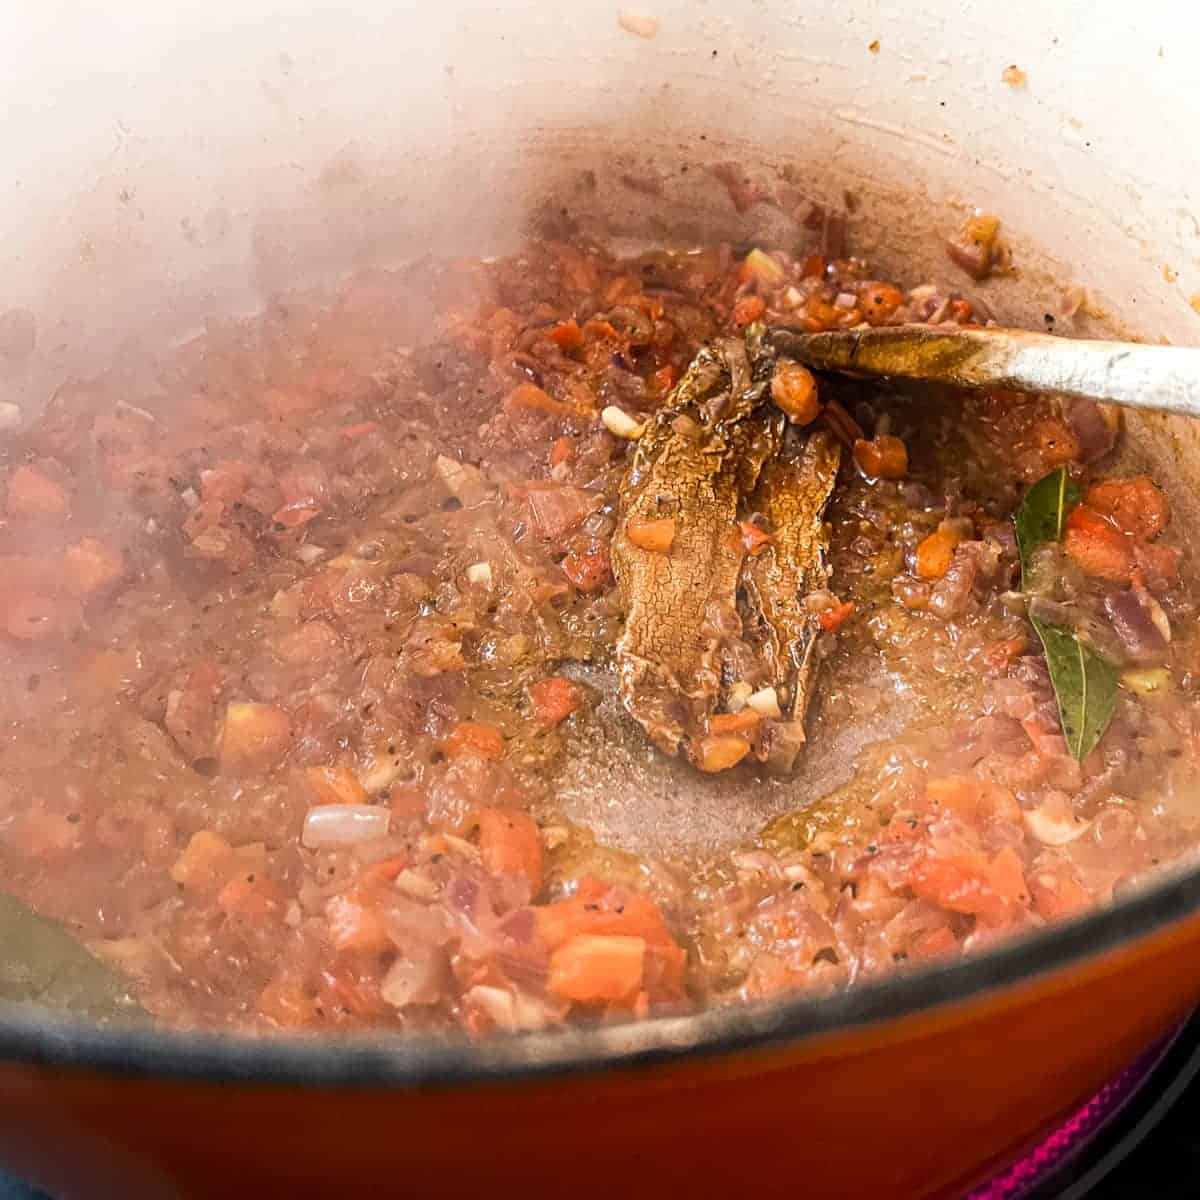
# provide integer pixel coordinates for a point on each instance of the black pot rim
(29, 1036)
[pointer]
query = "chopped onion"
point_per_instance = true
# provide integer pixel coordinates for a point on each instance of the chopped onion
(1053, 828)
(1156, 614)
(497, 1003)
(793, 297)
(464, 482)
(756, 862)
(480, 574)
(554, 836)
(845, 300)
(309, 553)
(343, 825)
(419, 887)
(10, 415)
(413, 980)
(739, 694)
(125, 406)
(1147, 682)
(620, 424)
(765, 702)
(189, 497)
(764, 269)
(461, 845)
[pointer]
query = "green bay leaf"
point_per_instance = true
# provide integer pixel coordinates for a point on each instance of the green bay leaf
(41, 963)
(1042, 516)
(1085, 686)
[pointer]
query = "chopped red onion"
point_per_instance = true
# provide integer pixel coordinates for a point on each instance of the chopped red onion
(414, 979)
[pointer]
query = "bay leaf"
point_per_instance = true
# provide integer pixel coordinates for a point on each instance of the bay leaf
(1085, 686)
(1042, 516)
(41, 963)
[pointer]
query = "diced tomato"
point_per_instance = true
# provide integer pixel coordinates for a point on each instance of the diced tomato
(556, 509)
(252, 896)
(998, 654)
(597, 968)
(511, 844)
(720, 751)
(206, 863)
(1049, 743)
(1159, 564)
(794, 391)
(346, 992)
(567, 335)
(620, 289)
(474, 739)
(288, 403)
(746, 721)
(663, 379)
(32, 493)
(1096, 546)
(1007, 875)
(971, 883)
(958, 794)
(652, 306)
(285, 1002)
(598, 907)
(91, 566)
(833, 618)
(879, 301)
(554, 699)
(600, 331)
(383, 871)
(1136, 506)
(882, 457)
(1055, 442)
(137, 472)
(254, 736)
(528, 398)
(748, 309)
(335, 785)
(971, 799)
(936, 552)
(754, 540)
(588, 572)
(356, 928)
(225, 482)
(961, 311)
(934, 944)
(352, 433)
(655, 536)
(43, 836)
(1057, 894)
(813, 266)
(563, 451)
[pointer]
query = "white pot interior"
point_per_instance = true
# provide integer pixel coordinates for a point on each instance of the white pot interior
(167, 163)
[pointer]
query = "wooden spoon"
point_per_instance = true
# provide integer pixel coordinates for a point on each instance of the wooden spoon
(1165, 378)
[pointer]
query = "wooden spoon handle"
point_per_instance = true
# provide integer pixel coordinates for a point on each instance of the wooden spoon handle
(1165, 378)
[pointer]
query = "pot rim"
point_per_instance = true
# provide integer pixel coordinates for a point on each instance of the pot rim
(29, 1037)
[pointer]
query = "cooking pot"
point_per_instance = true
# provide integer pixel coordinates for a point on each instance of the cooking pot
(164, 163)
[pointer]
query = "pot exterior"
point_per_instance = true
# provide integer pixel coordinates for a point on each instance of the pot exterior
(920, 1107)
